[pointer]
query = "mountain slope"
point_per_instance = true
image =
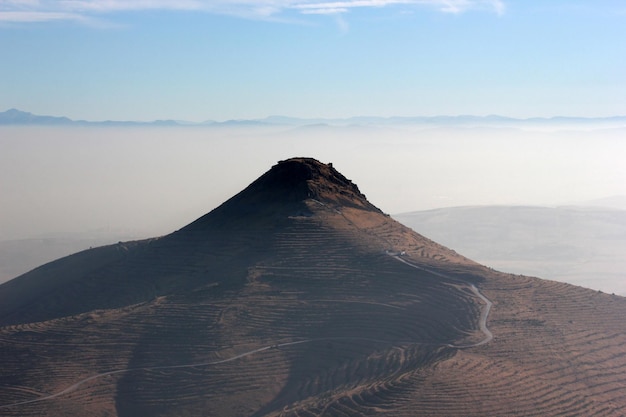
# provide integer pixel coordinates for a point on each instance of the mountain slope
(299, 297)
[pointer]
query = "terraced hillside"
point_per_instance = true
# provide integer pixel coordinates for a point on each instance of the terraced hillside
(298, 297)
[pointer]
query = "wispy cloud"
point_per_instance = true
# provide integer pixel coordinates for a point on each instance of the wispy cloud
(35, 16)
(449, 6)
(54, 10)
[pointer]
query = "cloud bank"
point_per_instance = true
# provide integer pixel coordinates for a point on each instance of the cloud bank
(77, 10)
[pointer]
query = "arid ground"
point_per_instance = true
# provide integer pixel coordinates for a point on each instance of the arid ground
(297, 297)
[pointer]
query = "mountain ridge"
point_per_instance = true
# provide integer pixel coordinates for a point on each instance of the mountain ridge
(15, 117)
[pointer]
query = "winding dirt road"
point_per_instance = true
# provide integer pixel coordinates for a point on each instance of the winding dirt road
(484, 314)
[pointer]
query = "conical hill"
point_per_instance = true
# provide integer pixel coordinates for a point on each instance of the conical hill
(298, 297)
(218, 247)
(283, 191)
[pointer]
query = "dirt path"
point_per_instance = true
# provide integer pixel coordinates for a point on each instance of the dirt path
(484, 314)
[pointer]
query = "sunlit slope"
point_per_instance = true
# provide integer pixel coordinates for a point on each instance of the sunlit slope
(298, 297)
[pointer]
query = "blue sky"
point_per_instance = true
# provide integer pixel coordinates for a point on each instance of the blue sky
(219, 59)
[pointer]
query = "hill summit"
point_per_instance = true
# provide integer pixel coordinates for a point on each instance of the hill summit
(284, 190)
(299, 179)
(298, 297)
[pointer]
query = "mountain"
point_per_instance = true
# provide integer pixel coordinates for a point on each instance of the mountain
(18, 117)
(299, 297)
(14, 117)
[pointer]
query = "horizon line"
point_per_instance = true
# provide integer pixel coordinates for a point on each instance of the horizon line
(53, 119)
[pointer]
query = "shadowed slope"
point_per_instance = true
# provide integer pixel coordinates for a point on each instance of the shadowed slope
(292, 298)
(282, 192)
(225, 241)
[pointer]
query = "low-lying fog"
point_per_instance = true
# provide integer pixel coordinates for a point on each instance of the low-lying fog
(112, 183)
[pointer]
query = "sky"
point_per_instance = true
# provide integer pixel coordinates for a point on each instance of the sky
(202, 60)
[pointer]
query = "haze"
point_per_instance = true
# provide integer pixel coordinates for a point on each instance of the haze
(151, 181)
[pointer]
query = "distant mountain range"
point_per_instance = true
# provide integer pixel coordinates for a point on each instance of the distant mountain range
(18, 117)
(22, 118)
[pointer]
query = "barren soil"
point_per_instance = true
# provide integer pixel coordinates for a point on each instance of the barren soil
(317, 305)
